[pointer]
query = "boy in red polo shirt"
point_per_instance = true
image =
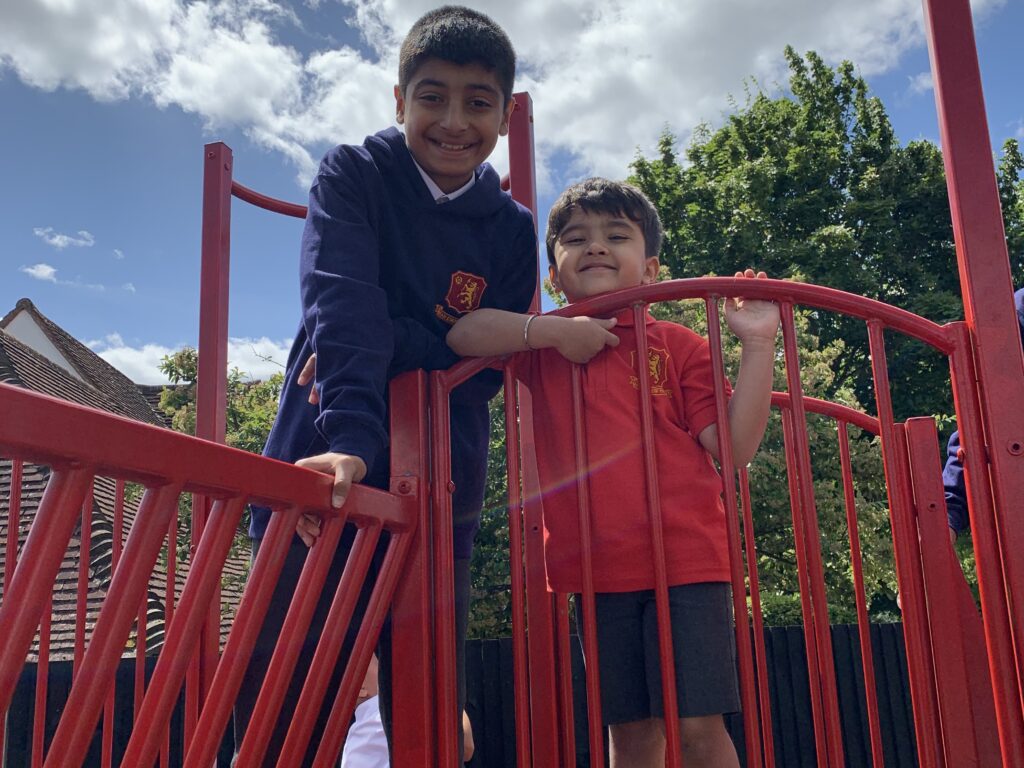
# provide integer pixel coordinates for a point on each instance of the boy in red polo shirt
(605, 236)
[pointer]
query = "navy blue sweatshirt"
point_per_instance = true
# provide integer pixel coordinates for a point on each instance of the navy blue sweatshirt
(384, 273)
(953, 472)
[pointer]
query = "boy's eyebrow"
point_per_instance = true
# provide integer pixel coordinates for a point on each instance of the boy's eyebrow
(432, 83)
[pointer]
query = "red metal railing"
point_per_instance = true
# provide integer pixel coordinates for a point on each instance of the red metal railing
(932, 592)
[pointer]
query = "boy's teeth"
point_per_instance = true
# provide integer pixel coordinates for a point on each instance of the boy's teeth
(452, 146)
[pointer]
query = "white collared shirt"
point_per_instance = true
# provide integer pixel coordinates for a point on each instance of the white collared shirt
(436, 190)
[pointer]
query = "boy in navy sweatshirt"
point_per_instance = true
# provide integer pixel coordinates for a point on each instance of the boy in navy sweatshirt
(404, 235)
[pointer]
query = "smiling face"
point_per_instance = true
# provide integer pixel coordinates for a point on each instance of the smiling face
(453, 115)
(600, 252)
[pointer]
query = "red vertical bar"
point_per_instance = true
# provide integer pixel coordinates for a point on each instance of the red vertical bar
(11, 560)
(328, 649)
(42, 686)
(128, 584)
(673, 756)
(183, 634)
(31, 586)
(988, 558)
(516, 576)
(522, 175)
(567, 723)
(412, 705)
(540, 605)
(444, 583)
(951, 684)
(987, 288)
(211, 386)
(908, 558)
(594, 728)
(822, 628)
(329, 752)
(82, 592)
(806, 607)
(107, 749)
(751, 728)
(867, 655)
(251, 611)
(764, 699)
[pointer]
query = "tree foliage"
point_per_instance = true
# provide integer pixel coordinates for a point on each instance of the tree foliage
(816, 183)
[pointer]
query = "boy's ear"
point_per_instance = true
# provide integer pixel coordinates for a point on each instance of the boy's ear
(399, 105)
(553, 277)
(651, 267)
(507, 117)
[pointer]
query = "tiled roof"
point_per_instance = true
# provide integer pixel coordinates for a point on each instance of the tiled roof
(106, 389)
(120, 390)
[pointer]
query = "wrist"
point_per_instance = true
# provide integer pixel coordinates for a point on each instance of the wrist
(543, 333)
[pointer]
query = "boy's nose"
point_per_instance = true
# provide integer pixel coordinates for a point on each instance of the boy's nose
(596, 246)
(454, 117)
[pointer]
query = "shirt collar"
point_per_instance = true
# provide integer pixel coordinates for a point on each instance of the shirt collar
(624, 318)
(436, 192)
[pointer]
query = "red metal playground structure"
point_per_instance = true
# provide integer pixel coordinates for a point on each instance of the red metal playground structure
(966, 670)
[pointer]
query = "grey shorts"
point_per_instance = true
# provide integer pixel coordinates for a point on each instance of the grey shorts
(703, 644)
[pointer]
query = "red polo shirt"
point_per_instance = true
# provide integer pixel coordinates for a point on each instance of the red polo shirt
(682, 394)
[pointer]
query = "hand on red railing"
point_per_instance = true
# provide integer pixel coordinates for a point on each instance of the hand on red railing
(346, 469)
(752, 319)
(307, 375)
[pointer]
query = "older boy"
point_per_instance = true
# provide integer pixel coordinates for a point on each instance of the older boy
(405, 233)
(603, 236)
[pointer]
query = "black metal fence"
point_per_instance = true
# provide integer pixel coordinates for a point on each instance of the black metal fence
(491, 709)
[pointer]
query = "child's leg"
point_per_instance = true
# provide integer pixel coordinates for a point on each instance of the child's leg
(706, 743)
(639, 744)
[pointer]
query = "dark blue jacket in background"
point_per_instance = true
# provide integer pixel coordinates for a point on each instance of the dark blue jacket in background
(953, 473)
(384, 273)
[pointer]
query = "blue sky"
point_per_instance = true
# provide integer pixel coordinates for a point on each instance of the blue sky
(107, 105)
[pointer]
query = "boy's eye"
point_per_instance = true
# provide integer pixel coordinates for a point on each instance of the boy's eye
(480, 104)
(433, 98)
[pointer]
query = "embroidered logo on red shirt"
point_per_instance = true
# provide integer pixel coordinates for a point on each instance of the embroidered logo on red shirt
(464, 294)
(657, 369)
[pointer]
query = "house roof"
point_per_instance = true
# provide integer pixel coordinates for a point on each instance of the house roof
(96, 385)
(122, 394)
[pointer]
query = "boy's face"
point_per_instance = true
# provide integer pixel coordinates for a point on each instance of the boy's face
(453, 115)
(600, 252)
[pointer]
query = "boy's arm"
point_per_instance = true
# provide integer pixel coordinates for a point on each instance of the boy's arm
(345, 313)
(755, 324)
(489, 332)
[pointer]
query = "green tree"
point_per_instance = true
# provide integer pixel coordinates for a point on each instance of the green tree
(815, 182)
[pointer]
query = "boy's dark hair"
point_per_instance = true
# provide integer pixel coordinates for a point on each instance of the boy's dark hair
(462, 36)
(597, 195)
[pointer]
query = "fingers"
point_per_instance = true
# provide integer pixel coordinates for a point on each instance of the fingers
(748, 272)
(308, 529)
(612, 340)
(606, 322)
(346, 470)
(308, 371)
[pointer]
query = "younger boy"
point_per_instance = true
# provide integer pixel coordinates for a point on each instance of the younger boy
(603, 236)
(404, 234)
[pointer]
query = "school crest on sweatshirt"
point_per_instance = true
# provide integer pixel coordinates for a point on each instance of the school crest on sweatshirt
(657, 369)
(464, 294)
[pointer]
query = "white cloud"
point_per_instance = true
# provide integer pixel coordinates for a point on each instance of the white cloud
(129, 287)
(606, 75)
(48, 274)
(41, 272)
(256, 358)
(921, 82)
(118, 254)
(61, 241)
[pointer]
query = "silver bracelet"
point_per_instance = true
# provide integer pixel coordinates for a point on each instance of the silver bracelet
(526, 331)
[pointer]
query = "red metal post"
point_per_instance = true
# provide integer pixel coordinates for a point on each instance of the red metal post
(951, 685)
(127, 587)
(513, 478)
(82, 591)
(31, 587)
(413, 721)
(211, 386)
(522, 171)
(444, 582)
(987, 288)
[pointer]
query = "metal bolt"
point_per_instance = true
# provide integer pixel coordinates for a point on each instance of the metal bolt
(1015, 447)
(404, 487)
(451, 487)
